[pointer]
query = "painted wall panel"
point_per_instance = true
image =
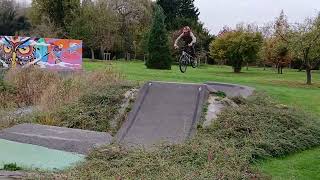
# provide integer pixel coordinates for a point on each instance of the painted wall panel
(49, 53)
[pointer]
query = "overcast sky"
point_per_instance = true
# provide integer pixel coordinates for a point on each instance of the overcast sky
(218, 13)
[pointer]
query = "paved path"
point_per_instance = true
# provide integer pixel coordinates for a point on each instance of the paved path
(36, 157)
(163, 113)
(65, 139)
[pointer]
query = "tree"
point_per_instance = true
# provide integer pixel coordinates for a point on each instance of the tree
(83, 27)
(281, 51)
(106, 26)
(179, 13)
(46, 29)
(188, 10)
(237, 46)
(304, 43)
(10, 22)
(132, 14)
(159, 52)
(170, 8)
(60, 12)
(275, 52)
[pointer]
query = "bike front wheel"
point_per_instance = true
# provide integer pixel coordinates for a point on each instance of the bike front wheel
(183, 64)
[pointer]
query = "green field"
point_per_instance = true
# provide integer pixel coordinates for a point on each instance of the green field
(288, 88)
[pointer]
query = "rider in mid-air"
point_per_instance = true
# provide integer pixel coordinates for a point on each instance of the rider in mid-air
(189, 41)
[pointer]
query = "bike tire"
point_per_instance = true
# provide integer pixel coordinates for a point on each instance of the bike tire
(183, 64)
(194, 63)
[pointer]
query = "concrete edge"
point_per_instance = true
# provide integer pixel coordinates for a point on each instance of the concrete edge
(128, 123)
(201, 99)
(61, 144)
(231, 90)
(12, 174)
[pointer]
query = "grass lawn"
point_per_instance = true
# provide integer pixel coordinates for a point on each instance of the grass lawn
(289, 89)
(302, 166)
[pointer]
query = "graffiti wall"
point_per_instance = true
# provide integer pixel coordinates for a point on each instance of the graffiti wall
(43, 52)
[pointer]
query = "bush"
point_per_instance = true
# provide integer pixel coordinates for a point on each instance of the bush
(258, 129)
(11, 167)
(93, 111)
(7, 95)
(76, 100)
(30, 84)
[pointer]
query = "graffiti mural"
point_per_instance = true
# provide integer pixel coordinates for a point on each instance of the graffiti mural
(49, 53)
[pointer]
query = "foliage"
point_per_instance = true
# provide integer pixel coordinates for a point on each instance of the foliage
(276, 52)
(257, 129)
(133, 16)
(275, 49)
(304, 40)
(46, 28)
(237, 46)
(159, 53)
(96, 25)
(60, 13)
(10, 21)
(93, 111)
(11, 167)
(179, 13)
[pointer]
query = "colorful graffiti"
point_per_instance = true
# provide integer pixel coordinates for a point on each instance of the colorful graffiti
(49, 53)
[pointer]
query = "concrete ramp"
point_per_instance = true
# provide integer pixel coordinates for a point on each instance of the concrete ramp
(231, 90)
(64, 139)
(163, 113)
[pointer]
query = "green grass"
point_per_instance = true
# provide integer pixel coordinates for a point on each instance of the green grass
(302, 166)
(289, 89)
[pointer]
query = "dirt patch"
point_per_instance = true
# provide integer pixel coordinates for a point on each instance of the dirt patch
(215, 106)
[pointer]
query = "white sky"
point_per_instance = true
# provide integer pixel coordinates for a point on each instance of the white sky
(218, 13)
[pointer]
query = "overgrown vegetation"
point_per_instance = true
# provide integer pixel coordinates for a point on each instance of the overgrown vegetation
(76, 100)
(11, 167)
(257, 129)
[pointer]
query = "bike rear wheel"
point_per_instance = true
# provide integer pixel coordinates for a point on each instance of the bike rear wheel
(194, 63)
(183, 63)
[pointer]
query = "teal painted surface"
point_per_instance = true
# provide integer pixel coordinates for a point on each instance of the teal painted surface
(35, 157)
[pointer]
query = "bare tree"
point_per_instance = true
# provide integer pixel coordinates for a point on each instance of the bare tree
(305, 43)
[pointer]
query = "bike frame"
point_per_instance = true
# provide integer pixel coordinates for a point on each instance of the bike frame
(184, 53)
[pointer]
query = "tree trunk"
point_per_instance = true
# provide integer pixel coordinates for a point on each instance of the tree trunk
(237, 69)
(309, 76)
(102, 53)
(92, 54)
(281, 70)
(247, 66)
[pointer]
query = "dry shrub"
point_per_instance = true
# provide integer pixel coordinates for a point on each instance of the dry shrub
(7, 95)
(75, 85)
(85, 100)
(50, 90)
(30, 83)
